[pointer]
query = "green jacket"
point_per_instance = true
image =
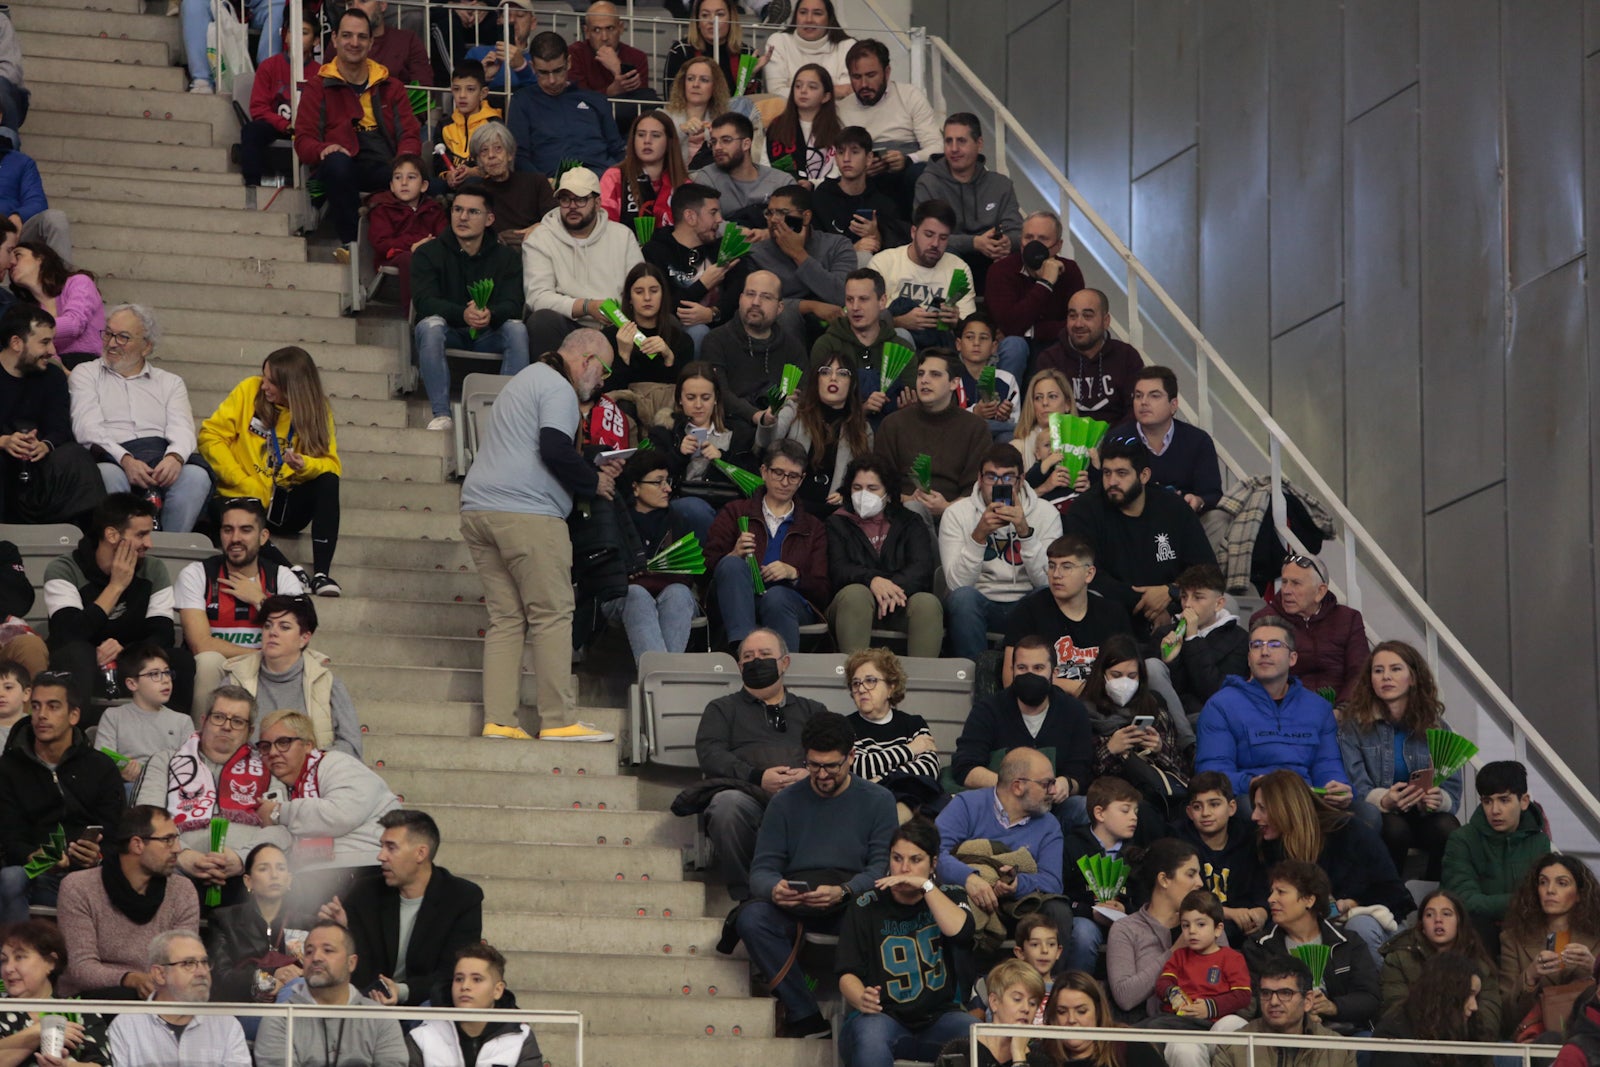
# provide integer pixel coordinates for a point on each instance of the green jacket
(1483, 866)
(840, 340)
(441, 272)
(1403, 959)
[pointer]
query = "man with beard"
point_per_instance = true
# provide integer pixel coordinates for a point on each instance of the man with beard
(330, 956)
(744, 185)
(514, 520)
(905, 130)
(574, 263)
(919, 275)
(137, 419)
(811, 265)
(44, 475)
(822, 843)
(751, 351)
(109, 915)
(181, 973)
(219, 599)
(1103, 371)
(554, 119)
(687, 255)
(1142, 540)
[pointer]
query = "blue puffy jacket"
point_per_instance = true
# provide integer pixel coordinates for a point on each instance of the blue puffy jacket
(21, 191)
(1244, 733)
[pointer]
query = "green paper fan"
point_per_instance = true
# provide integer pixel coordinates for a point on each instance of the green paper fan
(788, 382)
(1450, 752)
(734, 246)
(645, 228)
(419, 97)
(116, 757)
(564, 166)
(922, 471)
(747, 68)
(1328, 693)
(480, 291)
(1315, 957)
(755, 568)
(960, 286)
(613, 313)
(784, 163)
(749, 484)
(896, 358)
(986, 390)
(645, 444)
(683, 556)
(219, 841)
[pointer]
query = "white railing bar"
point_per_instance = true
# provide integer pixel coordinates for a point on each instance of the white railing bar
(1266, 1040)
(292, 1010)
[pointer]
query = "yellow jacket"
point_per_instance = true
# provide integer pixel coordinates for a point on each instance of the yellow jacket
(240, 450)
(457, 133)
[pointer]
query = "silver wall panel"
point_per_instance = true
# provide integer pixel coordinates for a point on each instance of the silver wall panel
(1308, 391)
(1165, 81)
(1550, 512)
(1468, 538)
(1544, 135)
(1234, 274)
(933, 14)
(1164, 237)
(1036, 79)
(1099, 85)
(1382, 346)
(982, 46)
(1591, 27)
(1024, 11)
(1305, 159)
(1380, 51)
(1591, 99)
(1463, 289)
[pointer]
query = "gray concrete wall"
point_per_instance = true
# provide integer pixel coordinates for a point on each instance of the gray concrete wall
(1379, 211)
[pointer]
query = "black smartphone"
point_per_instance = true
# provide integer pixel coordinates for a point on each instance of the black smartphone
(797, 223)
(1002, 495)
(868, 213)
(799, 886)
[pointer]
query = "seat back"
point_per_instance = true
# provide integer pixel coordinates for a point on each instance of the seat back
(941, 691)
(670, 698)
(39, 545)
(819, 676)
(478, 392)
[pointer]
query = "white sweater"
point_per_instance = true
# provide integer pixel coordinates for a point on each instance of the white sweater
(963, 559)
(558, 269)
(902, 119)
(904, 278)
(790, 53)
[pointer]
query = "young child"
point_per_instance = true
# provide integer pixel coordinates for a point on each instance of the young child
(1214, 645)
(402, 219)
(1486, 859)
(1113, 818)
(470, 91)
(976, 341)
(1225, 843)
(269, 107)
(1203, 980)
(1039, 946)
(144, 726)
(1015, 993)
(15, 686)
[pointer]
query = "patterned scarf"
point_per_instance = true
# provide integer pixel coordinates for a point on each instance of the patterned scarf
(193, 794)
(308, 787)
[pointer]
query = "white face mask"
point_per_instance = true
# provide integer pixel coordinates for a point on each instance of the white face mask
(868, 505)
(1121, 690)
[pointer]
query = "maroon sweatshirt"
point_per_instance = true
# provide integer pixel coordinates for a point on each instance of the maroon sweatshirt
(1330, 644)
(1102, 386)
(1020, 302)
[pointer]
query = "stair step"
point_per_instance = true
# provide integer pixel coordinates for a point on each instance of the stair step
(354, 616)
(384, 584)
(516, 931)
(223, 299)
(579, 826)
(153, 131)
(158, 173)
(436, 650)
(402, 552)
(628, 1014)
(615, 900)
(247, 353)
(341, 385)
(658, 975)
(207, 226)
(32, 20)
(635, 1051)
(94, 50)
(153, 191)
(123, 7)
(609, 863)
(270, 275)
(148, 240)
(425, 787)
(392, 468)
(409, 442)
(486, 754)
(347, 411)
(436, 498)
(46, 148)
(171, 104)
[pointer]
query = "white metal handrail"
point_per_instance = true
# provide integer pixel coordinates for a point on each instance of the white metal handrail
(1357, 542)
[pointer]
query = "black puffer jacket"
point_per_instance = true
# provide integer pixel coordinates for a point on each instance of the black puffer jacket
(85, 789)
(906, 558)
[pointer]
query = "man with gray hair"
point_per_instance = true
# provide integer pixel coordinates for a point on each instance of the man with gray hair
(1029, 289)
(136, 421)
(181, 974)
(522, 198)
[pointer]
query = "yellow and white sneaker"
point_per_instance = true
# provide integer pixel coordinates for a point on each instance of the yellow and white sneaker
(513, 733)
(578, 731)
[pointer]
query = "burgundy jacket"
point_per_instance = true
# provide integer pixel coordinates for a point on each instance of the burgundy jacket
(805, 547)
(1330, 645)
(589, 73)
(1020, 302)
(392, 227)
(1103, 386)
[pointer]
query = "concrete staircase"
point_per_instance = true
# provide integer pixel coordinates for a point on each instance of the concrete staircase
(581, 864)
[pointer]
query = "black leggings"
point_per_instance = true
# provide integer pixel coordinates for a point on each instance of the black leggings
(1425, 831)
(316, 503)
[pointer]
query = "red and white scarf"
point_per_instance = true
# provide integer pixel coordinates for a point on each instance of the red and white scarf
(308, 787)
(194, 796)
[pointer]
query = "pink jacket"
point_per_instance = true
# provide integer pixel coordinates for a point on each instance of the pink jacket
(80, 316)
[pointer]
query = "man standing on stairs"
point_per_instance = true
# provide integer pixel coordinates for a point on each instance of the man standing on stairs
(409, 920)
(354, 119)
(514, 507)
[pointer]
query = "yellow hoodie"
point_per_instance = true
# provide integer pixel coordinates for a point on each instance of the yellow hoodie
(240, 450)
(457, 134)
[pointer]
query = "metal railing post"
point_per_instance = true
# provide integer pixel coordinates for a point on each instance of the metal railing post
(1202, 378)
(918, 47)
(1064, 209)
(297, 70)
(1000, 164)
(1280, 510)
(1135, 325)
(1352, 590)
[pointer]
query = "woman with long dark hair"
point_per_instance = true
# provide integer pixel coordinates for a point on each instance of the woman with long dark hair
(1120, 700)
(804, 134)
(826, 417)
(1076, 999)
(651, 168)
(813, 36)
(1551, 934)
(697, 436)
(1442, 926)
(1384, 741)
(256, 946)
(880, 564)
(1443, 1005)
(662, 347)
(1137, 947)
(41, 277)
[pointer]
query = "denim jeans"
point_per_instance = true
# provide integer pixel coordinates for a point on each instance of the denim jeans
(266, 16)
(780, 609)
(969, 616)
(182, 501)
(878, 1040)
(17, 892)
(1012, 357)
(432, 336)
(657, 623)
(768, 934)
(694, 514)
(1083, 946)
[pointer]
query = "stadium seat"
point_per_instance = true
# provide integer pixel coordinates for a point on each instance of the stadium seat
(472, 414)
(668, 700)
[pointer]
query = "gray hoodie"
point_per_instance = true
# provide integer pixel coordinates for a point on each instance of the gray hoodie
(353, 1042)
(987, 201)
(829, 258)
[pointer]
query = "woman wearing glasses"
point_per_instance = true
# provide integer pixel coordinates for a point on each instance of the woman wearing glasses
(825, 417)
(893, 748)
(657, 609)
(880, 563)
(32, 956)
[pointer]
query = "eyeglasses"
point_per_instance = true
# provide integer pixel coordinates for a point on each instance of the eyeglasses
(833, 372)
(282, 744)
(121, 340)
(991, 477)
(466, 212)
(1273, 643)
(157, 676)
(861, 685)
(1279, 994)
(817, 767)
(200, 963)
(1042, 783)
(784, 477)
(1308, 563)
(232, 722)
(605, 368)
(569, 200)
(164, 839)
(658, 483)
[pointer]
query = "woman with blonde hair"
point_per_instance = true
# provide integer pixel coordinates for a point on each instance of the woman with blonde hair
(651, 168)
(1048, 393)
(272, 438)
(698, 95)
(713, 21)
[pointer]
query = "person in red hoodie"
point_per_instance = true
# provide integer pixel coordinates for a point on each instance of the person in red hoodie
(402, 219)
(269, 102)
(354, 119)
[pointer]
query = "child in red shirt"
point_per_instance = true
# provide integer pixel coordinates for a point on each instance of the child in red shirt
(1203, 979)
(402, 218)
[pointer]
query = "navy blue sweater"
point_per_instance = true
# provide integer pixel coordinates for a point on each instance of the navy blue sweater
(1189, 464)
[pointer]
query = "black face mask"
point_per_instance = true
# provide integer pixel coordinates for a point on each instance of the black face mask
(1031, 690)
(1034, 253)
(759, 673)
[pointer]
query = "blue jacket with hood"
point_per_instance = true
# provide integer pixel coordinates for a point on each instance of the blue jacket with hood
(1244, 733)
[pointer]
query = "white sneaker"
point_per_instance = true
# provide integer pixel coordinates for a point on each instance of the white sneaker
(442, 422)
(201, 86)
